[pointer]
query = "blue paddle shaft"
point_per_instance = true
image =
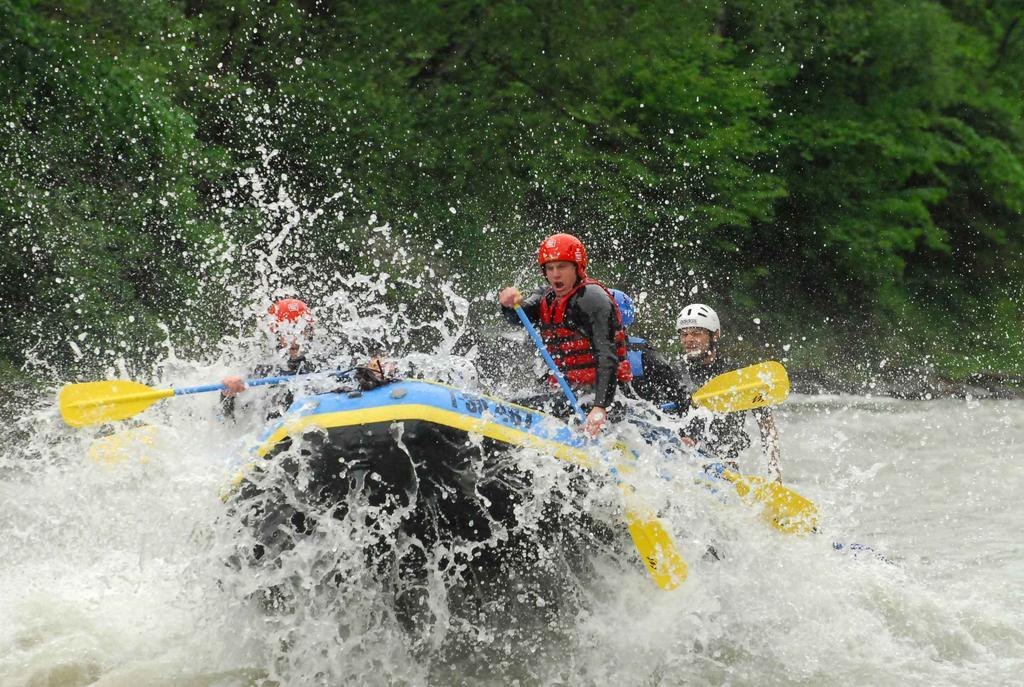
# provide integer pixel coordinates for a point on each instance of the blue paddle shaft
(199, 389)
(254, 382)
(551, 363)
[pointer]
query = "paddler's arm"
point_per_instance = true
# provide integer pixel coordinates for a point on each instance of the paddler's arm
(233, 386)
(227, 407)
(667, 384)
(530, 304)
(769, 442)
(593, 312)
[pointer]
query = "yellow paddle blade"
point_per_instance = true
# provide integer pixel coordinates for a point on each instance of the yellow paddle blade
(652, 541)
(785, 509)
(656, 548)
(764, 384)
(131, 443)
(93, 402)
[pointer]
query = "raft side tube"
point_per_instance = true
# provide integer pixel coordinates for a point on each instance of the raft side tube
(440, 404)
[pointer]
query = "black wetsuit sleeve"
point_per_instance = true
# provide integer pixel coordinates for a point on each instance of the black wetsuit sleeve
(593, 313)
(227, 406)
(662, 383)
(725, 435)
(530, 305)
(284, 398)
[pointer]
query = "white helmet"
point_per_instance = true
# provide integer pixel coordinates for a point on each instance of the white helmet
(698, 315)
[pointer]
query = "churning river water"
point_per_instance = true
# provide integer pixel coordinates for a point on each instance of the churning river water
(113, 574)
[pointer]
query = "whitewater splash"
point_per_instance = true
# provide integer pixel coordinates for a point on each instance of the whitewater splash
(122, 573)
(136, 571)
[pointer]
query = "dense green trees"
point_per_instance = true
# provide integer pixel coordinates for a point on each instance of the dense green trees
(829, 168)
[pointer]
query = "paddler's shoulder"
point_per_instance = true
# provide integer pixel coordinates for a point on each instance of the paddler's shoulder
(594, 292)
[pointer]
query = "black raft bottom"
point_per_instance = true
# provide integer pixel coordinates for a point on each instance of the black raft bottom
(473, 509)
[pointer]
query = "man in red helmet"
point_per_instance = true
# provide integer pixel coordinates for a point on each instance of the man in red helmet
(579, 321)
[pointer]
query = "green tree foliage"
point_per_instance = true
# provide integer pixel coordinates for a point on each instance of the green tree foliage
(900, 142)
(102, 225)
(835, 168)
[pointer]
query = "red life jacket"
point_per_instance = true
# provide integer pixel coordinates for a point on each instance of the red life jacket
(572, 351)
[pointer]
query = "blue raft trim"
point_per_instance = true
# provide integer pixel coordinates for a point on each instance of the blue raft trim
(437, 403)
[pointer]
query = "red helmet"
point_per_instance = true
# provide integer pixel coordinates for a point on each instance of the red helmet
(563, 247)
(290, 311)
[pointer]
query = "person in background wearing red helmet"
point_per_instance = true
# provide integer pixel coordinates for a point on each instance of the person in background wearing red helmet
(699, 332)
(291, 321)
(579, 321)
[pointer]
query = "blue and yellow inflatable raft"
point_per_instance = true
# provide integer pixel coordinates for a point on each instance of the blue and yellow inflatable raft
(419, 403)
(448, 461)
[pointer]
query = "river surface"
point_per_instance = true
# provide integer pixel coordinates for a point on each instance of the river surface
(113, 574)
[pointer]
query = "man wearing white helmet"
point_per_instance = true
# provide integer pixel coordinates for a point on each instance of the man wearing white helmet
(699, 332)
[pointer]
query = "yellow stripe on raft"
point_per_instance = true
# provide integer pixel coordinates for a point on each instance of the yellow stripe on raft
(425, 413)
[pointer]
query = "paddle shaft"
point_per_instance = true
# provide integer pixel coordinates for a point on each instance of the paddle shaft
(248, 382)
(259, 382)
(532, 331)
